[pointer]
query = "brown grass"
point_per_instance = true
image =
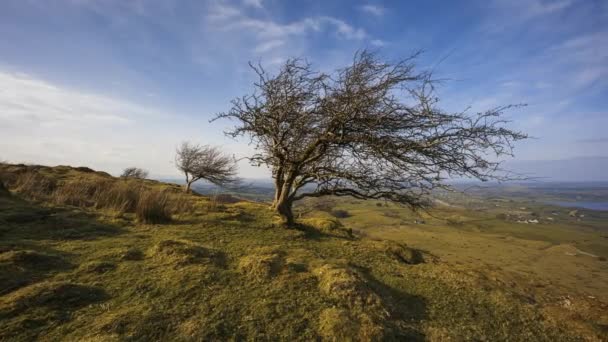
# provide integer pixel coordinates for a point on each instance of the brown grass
(34, 185)
(153, 207)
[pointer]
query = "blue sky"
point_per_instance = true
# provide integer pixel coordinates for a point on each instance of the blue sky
(115, 83)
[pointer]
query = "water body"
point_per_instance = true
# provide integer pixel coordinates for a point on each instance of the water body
(584, 205)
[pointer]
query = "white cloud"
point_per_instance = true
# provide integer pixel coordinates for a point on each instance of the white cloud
(25, 98)
(44, 123)
(269, 45)
(378, 42)
(228, 18)
(538, 7)
(373, 10)
(253, 3)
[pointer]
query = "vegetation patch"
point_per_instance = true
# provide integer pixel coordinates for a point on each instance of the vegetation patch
(336, 324)
(346, 286)
(98, 267)
(153, 208)
(183, 253)
(401, 252)
(19, 268)
(328, 226)
(263, 264)
(53, 296)
(131, 254)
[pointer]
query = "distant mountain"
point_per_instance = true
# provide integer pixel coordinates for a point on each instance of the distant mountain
(583, 169)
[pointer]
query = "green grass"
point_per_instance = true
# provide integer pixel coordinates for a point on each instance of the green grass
(230, 272)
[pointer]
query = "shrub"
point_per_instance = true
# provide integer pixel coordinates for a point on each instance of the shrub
(134, 172)
(153, 207)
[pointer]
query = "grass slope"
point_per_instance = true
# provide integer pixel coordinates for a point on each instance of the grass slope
(227, 271)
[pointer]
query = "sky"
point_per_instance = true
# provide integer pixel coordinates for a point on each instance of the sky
(116, 83)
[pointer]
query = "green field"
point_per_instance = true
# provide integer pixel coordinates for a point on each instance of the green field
(76, 267)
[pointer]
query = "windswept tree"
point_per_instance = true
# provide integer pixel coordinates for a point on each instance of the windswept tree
(134, 172)
(371, 130)
(205, 162)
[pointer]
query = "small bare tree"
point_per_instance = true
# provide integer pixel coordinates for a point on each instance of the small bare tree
(205, 162)
(134, 172)
(372, 130)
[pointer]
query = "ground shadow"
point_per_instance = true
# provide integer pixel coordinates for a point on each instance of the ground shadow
(23, 220)
(314, 233)
(406, 310)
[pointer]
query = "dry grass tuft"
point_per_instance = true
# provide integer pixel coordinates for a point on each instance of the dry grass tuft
(153, 207)
(92, 190)
(263, 264)
(336, 324)
(34, 185)
(346, 286)
(121, 196)
(182, 253)
(360, 315)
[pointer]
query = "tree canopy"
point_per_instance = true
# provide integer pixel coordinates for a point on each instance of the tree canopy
(370, 130)
(205, 162)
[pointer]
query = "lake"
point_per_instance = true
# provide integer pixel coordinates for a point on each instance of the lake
(584, 205)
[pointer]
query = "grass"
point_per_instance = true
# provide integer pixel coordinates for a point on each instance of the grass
(83, 272)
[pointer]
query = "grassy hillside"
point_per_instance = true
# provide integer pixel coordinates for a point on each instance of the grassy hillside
(88, 257)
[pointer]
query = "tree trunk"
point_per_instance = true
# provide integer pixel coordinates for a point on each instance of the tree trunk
(188, 182)
(277, 195)
(284, 208)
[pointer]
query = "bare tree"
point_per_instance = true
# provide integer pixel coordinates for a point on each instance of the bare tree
(134, 172)
(205, 162)
(371, 130)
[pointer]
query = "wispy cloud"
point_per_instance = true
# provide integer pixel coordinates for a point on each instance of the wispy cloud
(229, 18)
(373, 10)
(24, 98)
(268, 45)
(378, 42)
(45, 123)
(253, 3)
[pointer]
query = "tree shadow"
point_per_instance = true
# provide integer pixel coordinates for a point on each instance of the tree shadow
(32, 310)
(21, 220)
(25, 264)
(406, 310)
(314, 233)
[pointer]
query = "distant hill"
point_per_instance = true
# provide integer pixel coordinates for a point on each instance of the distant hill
(583, 169)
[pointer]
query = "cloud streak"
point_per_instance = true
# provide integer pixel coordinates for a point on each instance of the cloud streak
(374, 10)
